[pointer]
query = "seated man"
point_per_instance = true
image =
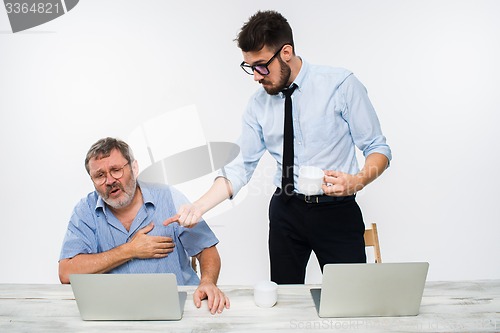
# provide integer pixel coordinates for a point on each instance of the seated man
(118, 228)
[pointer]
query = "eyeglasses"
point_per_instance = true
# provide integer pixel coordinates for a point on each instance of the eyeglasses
(100, 178)
(261, 69)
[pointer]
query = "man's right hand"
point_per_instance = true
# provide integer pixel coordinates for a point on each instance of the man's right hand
(188, 216)
(144, 246)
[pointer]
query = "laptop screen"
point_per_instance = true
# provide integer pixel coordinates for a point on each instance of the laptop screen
(362, 290)
(128, 296)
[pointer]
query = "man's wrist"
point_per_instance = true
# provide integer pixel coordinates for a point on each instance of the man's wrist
(360, 182)
(126, 252)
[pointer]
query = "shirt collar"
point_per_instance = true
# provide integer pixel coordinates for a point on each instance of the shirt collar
(299, 79)
(147, 196)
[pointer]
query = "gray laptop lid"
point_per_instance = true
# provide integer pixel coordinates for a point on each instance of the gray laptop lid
(364, 290)
(128, 296)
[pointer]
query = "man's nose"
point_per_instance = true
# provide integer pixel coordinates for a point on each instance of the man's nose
(257, 76)
(110, 179)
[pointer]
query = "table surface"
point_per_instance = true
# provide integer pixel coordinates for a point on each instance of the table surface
(459, 306)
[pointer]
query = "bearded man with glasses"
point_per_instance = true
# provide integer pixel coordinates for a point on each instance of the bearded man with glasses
(330, 116)
(118, 228)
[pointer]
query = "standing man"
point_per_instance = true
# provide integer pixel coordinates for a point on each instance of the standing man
(331, 115)
(118, 228)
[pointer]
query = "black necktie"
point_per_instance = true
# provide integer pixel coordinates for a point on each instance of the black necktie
(287, 165)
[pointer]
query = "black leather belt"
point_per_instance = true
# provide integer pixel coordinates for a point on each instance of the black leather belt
(322, 198)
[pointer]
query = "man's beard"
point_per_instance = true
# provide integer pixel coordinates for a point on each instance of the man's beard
(285, 73)
(128, 193)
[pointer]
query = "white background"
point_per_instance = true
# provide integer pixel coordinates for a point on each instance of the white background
(431, 69)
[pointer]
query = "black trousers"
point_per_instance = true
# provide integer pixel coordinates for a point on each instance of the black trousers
(333, 230)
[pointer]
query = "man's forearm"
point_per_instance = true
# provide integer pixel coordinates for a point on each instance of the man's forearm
(209, 265)
(94, 263)
(375, 165)
(220, 190)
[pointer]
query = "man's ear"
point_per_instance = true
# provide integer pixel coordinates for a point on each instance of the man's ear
(135, 168)
(287, 52)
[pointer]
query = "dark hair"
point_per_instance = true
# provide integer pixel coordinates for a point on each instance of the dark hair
(104, 147)
(265, 28)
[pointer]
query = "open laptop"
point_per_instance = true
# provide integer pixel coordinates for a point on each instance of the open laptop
(366, 290)
(128, 296)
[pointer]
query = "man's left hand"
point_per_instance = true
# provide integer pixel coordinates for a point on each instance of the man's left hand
(340, 184)
(217, 300)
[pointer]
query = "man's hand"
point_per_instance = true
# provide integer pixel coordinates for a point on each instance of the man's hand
(217, 300)
(340, 184)
(144, 246)
(140, 246)
(188, 216)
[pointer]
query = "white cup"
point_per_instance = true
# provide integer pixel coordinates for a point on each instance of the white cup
(310, 180)
(265, 294)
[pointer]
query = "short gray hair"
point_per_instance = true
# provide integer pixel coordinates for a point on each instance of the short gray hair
(104, 147)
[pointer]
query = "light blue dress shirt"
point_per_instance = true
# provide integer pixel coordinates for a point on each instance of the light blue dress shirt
(332, 115)
(94, 229)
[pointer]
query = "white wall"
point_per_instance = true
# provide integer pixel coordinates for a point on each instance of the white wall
(431, 69)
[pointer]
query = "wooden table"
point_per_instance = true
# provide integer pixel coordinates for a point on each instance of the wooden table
(467, 306)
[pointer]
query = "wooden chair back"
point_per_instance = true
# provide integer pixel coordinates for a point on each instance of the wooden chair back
(371, 239)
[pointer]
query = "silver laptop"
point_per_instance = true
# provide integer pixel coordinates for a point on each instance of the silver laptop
(366, 290)
(128, 296)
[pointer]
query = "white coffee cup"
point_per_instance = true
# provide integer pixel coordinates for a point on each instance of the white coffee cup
(265, 294)
(310, 180)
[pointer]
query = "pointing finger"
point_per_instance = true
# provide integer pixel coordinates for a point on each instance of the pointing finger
(172, 219)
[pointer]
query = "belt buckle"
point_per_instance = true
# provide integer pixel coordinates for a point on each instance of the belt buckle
(307, 199)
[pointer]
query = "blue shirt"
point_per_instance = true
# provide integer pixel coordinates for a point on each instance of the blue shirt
(332, 115)
(94, 229)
